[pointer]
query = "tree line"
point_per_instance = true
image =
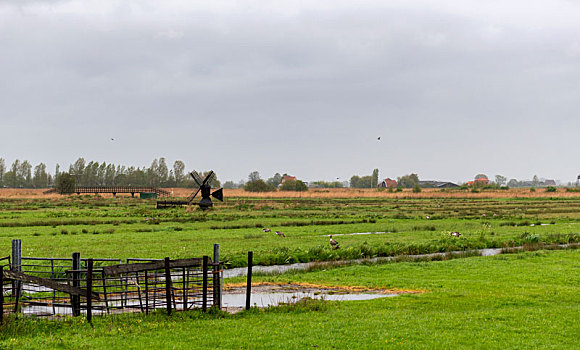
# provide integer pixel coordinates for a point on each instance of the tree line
(21, 174)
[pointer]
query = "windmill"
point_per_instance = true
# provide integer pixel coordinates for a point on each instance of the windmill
(205, 189)
(204, 186)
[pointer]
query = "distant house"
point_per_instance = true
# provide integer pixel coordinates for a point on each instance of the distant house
(480, 181)
(386, 183)
(550, 183)
(436, 184)
(287, 178)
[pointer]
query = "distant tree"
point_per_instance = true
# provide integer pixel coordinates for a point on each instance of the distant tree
(162, 172)
(254, 176)
(354, 180)
(375, 178)
(2, 171)
(179, 172)
(293, 185)
(416, 188)
(65, 183)
(152, 173)
(77, 169)
(535, 181)
(408, 181)
(513, 183)
(258, 186)
(479, 176)
(324, 184)
(500, 180)
(40, 179)
(230, 185)
(275, 180)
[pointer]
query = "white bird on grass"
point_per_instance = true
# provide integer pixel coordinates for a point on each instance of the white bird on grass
(266, 230)
(455, 234)
(279, 233)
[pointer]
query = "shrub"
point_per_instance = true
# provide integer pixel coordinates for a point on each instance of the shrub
(293, 185)
(259, 186)
(550, 189)
(532, 189)
(416, 189)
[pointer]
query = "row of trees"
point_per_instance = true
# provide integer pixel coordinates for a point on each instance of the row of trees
(158, 174)
(256, 184)
(369, 181)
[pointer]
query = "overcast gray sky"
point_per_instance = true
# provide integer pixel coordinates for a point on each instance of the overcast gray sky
(453, 88)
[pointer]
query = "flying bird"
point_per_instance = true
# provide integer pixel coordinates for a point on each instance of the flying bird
(379, 138)
(112, 139)
(279, 233)
(266, 230)
(334, 243)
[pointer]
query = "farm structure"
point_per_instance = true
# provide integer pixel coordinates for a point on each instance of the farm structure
(388, 182)
(72, 286)
(115, 189)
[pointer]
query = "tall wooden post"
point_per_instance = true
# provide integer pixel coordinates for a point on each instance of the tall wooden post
(16, 267)
(217, 283)
(249, 280)
(76, 282)
(1, 295)
(204, 286)
(168, 286)
(90, 290)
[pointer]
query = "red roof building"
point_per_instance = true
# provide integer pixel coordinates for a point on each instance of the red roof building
(388, 183)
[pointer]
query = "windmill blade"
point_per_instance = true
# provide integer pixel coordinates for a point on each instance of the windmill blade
(193, 195)
(209, 178)
(196, 177)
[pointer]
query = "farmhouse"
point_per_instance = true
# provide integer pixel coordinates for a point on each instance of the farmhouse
(480, 181)
(386, 183)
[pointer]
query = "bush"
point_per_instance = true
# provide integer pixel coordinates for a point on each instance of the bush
(259, 186)
(532, 189)
(416, 189)
(65, 183)
(550, 189)
(293, 185)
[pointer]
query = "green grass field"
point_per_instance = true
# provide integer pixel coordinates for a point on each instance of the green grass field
(526, 300)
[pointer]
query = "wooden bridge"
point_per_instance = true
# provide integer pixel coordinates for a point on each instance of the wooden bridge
(115, 189)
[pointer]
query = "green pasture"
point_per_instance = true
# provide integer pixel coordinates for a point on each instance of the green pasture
(133, 228)
(522, 301)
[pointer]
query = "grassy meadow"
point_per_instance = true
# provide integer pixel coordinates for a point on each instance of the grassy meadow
(525, 300)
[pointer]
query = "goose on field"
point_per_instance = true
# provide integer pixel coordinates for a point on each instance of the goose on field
(281, 234)
(334, 243)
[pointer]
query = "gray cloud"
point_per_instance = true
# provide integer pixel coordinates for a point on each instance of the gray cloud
(278, 86)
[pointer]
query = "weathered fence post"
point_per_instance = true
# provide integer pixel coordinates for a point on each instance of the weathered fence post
(249, 280)
(1, 295)
(168, 285)
(204, 285)
(90, 290)
(217, 283)
(76, 282)
(16, 267)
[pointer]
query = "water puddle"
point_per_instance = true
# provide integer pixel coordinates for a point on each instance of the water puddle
(264, 295)
(274, 299)
(280, 269)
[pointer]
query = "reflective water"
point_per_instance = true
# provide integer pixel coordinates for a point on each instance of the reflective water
(275, 298)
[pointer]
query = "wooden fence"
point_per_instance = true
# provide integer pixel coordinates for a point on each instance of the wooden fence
(54, 287)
